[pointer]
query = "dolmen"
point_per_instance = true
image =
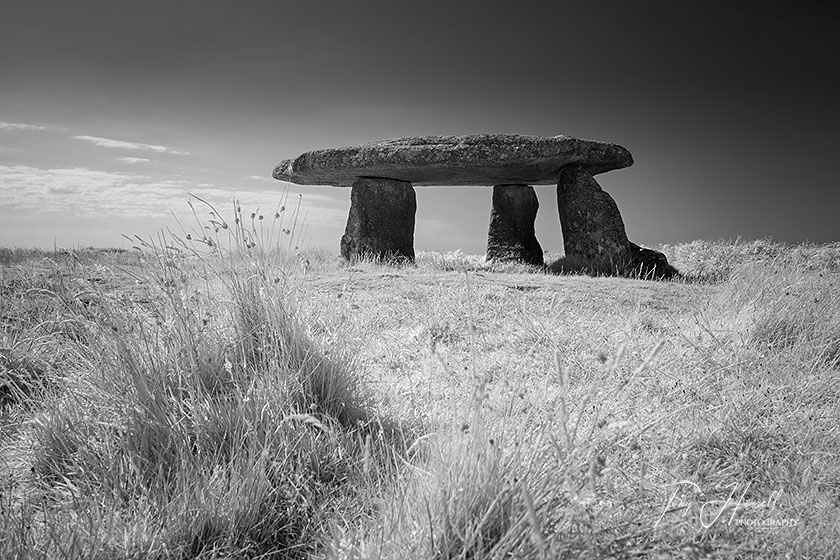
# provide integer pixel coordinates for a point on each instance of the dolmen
(382, 176)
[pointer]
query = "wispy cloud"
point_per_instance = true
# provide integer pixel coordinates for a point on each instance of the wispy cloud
(266, 178)
(123, 145)
(134, 159)
(20, 126)
(83, 193)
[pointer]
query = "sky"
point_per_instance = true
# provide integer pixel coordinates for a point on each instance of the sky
(113, 113)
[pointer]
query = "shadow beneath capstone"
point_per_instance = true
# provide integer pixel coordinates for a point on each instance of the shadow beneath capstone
(633, 268)
(642, 264)
(387, 259)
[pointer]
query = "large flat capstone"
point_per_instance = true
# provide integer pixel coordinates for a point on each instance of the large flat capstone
(478, 159)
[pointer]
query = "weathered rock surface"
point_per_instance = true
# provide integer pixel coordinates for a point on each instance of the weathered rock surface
(511, 234)
(480, 159)
(589, 217)
(381, 220)
(593, 231)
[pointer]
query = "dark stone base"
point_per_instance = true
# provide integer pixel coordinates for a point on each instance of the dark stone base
(511, 234)
(650, 264)
(381, 220)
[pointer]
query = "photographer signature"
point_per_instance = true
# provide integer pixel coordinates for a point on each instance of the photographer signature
(710, 512)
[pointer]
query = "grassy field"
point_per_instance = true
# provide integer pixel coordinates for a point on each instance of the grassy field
(235, 397)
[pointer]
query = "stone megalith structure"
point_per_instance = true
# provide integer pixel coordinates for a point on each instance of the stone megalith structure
(511, 236)
(382, 176)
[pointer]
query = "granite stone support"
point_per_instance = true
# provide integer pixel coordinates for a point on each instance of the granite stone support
(511, 236)
(380, 224)
(593, 230)
(592, 226)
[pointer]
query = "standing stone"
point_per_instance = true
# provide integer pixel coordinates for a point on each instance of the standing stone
(593, 231)
(592, 226)
(511, 234)
(381, 220)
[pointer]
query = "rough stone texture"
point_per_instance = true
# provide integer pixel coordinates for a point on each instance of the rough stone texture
(594, 231)
(589, 217)
(511, 234)
(381, 220)
(480, 159)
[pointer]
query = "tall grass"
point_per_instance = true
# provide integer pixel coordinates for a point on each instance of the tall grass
(200, 420)
(689, 453)
(518, 482)
(222, 393)
(718, 260)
